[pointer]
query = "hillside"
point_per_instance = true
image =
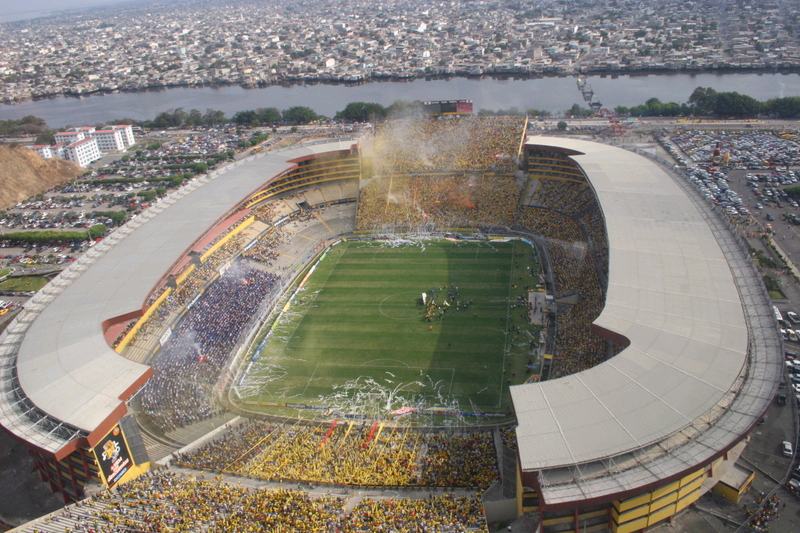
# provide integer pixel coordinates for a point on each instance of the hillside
(23, 173)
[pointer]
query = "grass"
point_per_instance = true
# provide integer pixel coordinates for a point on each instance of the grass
(5, 272)
(354, 338)
(24, 283)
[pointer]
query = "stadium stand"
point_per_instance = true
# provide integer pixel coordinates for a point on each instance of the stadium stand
(589, 445)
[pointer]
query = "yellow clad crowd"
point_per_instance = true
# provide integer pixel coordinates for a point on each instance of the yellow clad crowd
(567, 217)
(350, 455)
(448, 144)
(164, 501)
(405, 203)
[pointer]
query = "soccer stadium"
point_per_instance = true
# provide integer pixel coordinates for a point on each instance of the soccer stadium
(473, 324)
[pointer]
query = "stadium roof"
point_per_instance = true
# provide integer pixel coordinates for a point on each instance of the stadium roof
(672, 294)
(64, 365)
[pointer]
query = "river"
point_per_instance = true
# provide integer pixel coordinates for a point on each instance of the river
(552, 94)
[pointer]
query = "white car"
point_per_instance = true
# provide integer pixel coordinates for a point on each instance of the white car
(788, 451)
(793, 317)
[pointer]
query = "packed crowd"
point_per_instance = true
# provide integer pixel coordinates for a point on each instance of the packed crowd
(190, 362)
(350, 454)
(449, 144)
(509, 436)
(434, 514)
(265, 248)
(438, 201)
(566, 215)
(162, 501)
(568, 197)
(189, 287)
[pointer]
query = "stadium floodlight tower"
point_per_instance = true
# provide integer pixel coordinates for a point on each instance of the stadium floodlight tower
(639, 437)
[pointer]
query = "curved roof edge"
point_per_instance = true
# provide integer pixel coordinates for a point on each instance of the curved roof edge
(686, 382)
(59, 379)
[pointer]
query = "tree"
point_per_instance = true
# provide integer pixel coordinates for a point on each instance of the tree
(213, 117)
(578, 111)
(98, 230)
(299, 115)
(703, 99)
(655, 107)
(562, 126)
(735, 104)
(537, 112)
(270, 115)
(45, 138)
(195, 118)
(787, 107)
(246, 118)
(362, 112)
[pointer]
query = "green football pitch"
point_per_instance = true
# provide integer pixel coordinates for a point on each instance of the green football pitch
(355, 338)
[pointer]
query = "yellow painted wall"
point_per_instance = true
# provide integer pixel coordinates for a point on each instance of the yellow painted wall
(246, 222)
(648, 509)
(134, 472)
(688, 500)
(690, 487)
(630, 527)
(185, 274)
(139, 323)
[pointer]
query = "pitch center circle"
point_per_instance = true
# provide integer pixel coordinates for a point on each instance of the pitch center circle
(401, 306)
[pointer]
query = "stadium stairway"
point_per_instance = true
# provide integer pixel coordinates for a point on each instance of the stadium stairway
(192, 432)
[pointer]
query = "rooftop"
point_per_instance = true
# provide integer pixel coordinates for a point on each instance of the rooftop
(672, 294)
(64, 366)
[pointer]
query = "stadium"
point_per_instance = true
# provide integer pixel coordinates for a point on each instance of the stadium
(558, 325)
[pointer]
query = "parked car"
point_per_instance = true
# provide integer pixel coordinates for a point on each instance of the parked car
(788, 451)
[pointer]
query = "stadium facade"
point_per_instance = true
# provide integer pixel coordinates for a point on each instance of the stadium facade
(620, 446)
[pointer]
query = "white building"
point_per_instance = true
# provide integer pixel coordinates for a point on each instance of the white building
(83, 151)
(115, 138)
(43, 150)
(126, 130)
(86, 144)
(59, 150)
(69, 136)
(109, 140)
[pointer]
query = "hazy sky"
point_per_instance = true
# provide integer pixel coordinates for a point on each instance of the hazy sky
(27, 9)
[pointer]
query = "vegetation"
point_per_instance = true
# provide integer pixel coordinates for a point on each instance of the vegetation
(763, 260)
(49, 236)
(117, 217)
(793, 192)
(773, 285)
(24, 284)
(299, 115)
(362, 112)
(27, 125)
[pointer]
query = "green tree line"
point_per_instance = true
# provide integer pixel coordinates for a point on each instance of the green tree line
(703, 102)
(98, 230)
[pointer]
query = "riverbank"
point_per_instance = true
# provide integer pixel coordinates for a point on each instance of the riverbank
(554, 94)
(495, 73)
